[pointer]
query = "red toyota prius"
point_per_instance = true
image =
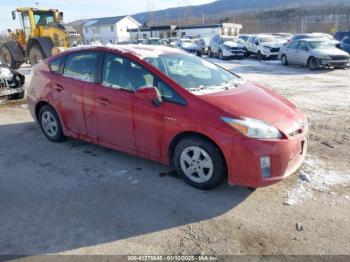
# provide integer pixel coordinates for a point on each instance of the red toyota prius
(171, 107)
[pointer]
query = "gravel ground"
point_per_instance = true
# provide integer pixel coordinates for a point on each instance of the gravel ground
(79, 198)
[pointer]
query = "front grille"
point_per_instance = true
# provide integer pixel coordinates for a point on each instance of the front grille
(236, 49)
(275, 50)
(339, 57)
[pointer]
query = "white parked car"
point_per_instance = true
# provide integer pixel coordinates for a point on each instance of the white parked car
(226, 47)
(263, 46)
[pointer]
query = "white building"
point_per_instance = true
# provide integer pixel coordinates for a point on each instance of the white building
(109, 29)
(181, 31)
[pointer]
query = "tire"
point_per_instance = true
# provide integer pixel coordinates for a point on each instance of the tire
(7, 58)
(260, 56)
(36, 54)
(313, 63)
(199, 162)
(210, 54)
(16, 96)
(47, 115)
(221, 55)
(284, 60)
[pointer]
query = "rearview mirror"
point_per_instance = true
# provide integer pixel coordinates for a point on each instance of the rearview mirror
(149, 93)
(14, 15)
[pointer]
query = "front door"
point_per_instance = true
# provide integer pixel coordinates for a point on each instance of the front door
(113, 104)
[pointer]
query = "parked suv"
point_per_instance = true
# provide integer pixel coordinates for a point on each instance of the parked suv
(225, 47)
(263, 46)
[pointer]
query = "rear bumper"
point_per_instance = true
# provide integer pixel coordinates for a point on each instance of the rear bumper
(286, 156)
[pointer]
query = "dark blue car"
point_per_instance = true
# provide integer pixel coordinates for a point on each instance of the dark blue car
(345, 44)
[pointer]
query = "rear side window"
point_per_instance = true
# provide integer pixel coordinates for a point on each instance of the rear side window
(293, 45)
(81, 66)
(55, 64)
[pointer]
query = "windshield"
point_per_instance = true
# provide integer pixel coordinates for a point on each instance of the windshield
(320, 45)
(193, 73)
(266, 39)
(43, 18)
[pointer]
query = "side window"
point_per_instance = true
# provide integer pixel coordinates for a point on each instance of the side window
(55, 64)
(122, 73)
(81, 66)
(347, 40)
(302, 46)
(168, 94)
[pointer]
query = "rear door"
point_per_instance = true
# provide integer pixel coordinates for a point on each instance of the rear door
(291, 52)
(79, 68)
(302, 53)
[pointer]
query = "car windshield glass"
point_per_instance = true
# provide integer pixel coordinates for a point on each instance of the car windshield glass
(320, 45)
(43, 18)
(227, 39)
(194, 74)
(267, 39)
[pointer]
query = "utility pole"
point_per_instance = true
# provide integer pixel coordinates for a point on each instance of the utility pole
(179, 23)
(203, 19)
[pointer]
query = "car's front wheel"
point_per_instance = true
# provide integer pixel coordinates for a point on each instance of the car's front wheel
(221, 55)
(50, 124)
(199, 162)
(314, 63)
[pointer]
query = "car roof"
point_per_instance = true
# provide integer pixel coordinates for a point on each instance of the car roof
(141, 51)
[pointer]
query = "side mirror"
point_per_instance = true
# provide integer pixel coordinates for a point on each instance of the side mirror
(257, 43)
(149, 93)
(60, 16)
(14, 15)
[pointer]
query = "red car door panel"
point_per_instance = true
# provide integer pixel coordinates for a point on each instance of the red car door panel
(69, 104)
(114, 117)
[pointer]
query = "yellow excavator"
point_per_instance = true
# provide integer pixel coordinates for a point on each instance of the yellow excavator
(42, 35)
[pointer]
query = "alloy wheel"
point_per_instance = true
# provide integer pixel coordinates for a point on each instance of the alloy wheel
(196, 164)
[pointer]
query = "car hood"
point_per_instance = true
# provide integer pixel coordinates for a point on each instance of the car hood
(330, 51)
(273, 44)
(232, 44)
(253, 101)
(189, 46)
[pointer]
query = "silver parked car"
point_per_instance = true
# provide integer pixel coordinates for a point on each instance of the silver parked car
(314, 53)
(263, 46)
(226, 47)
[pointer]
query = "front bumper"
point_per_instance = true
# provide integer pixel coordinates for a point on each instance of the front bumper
(285, 155)
(334, 63)
(10, 91)
(234, 53)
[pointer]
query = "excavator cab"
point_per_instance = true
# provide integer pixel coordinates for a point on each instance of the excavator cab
(41, 35)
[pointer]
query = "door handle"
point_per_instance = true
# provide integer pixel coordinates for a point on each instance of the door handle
(58, 87)
(103, 101)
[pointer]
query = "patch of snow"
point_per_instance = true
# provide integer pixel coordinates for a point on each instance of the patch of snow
(314, 177)
(118, 173)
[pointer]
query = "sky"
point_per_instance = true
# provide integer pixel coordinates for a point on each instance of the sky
(78, 9)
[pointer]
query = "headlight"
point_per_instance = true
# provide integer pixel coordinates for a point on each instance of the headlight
(227, 48)
(253, 128)
(322, 56)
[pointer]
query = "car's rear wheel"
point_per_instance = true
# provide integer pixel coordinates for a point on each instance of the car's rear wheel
(199, 162)
(50, 124)
(284, 60)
